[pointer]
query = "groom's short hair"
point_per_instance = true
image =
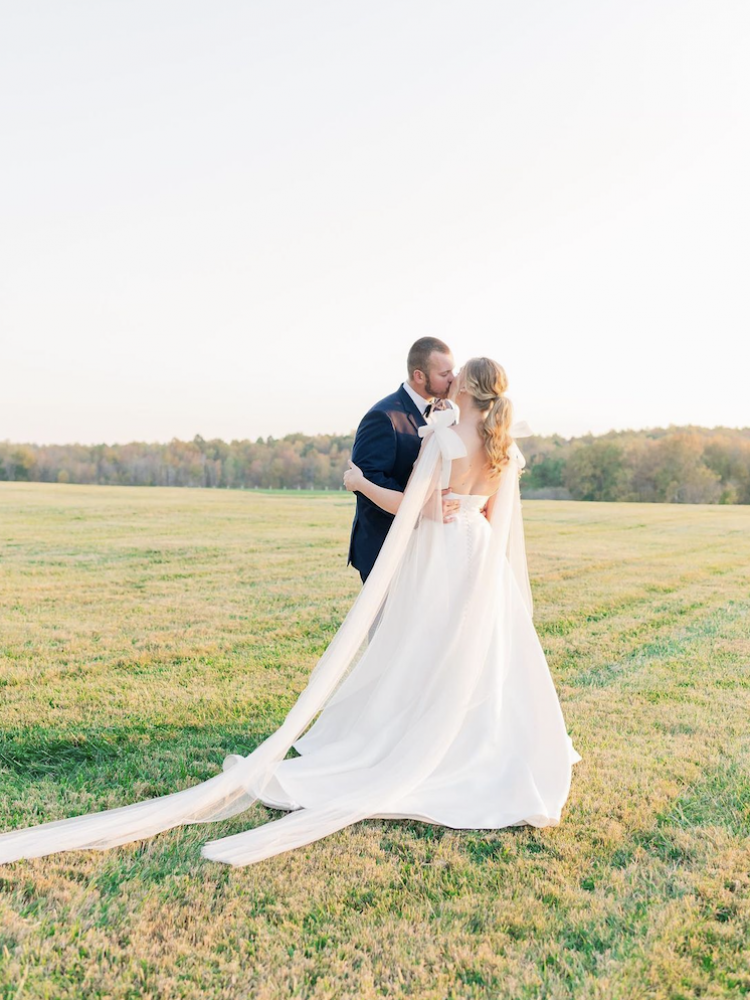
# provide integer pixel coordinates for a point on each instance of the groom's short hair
(420, 351)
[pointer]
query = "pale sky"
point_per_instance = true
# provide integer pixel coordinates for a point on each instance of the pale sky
(233, 218)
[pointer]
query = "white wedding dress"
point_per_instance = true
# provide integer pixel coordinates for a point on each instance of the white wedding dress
(448, 715)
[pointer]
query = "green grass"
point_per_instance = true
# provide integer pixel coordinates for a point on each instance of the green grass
(145, 633)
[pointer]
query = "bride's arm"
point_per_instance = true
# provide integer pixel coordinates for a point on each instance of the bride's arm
(388, 500)
(382, 496)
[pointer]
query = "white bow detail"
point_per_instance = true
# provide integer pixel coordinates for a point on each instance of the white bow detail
(450, 444)
(520, 429)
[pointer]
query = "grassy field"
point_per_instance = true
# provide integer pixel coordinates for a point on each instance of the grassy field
(145, 633)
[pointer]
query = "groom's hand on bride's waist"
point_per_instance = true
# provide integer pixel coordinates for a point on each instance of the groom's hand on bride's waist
(449, 507)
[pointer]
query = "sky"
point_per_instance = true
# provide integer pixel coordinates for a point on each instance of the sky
(233, 219)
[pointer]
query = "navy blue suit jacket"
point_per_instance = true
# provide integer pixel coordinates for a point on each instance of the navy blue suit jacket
(386, 446)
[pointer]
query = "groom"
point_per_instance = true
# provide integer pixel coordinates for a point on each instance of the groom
(387, 443)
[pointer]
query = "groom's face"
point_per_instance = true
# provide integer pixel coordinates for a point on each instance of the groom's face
(439, 375)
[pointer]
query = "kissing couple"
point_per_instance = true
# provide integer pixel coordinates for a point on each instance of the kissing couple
(433, 700)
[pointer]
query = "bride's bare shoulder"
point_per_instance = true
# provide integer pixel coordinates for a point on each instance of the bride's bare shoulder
(469, 435)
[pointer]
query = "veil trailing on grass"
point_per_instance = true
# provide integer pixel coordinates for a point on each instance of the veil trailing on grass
(436, 634)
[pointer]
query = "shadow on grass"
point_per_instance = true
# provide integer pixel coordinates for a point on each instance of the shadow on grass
(41, 752)
(49, 774)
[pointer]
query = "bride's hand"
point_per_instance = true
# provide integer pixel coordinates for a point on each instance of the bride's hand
(353, 477)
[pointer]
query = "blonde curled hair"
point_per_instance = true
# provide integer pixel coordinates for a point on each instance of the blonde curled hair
(485, 381)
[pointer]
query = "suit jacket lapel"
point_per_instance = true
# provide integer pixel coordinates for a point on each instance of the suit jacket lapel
(410, 407)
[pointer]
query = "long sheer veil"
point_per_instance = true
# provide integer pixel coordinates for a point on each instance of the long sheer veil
(412, 562)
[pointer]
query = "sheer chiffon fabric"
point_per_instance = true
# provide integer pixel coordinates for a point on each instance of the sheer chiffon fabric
(448, 715)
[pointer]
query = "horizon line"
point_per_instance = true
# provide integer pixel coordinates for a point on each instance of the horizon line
(572, 437)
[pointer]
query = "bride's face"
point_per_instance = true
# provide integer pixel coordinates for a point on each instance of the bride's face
(458, 386)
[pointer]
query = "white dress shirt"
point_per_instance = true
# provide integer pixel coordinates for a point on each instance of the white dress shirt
(420, 401)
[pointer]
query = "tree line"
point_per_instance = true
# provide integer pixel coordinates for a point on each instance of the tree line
(662, 465)
(296, 461)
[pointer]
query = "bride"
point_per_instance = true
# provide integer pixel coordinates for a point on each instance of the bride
(448, 714)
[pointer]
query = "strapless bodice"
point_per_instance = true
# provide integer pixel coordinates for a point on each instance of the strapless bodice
(469, 501)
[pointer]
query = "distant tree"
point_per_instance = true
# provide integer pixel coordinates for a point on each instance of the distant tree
(729, 458)
(547, 470)
(21, 464)
(670, 470)
(596, 471)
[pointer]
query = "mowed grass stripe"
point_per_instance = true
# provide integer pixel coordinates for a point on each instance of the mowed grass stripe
(697, 812)
(155, 630)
